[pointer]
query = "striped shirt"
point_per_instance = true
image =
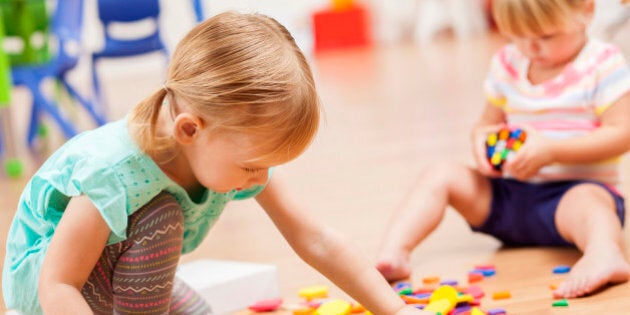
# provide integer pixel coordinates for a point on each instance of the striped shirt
(569, 105)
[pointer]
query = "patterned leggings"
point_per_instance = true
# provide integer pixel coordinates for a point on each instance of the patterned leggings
(137, 276)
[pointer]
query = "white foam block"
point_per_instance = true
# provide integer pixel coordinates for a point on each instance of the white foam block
(229, 286)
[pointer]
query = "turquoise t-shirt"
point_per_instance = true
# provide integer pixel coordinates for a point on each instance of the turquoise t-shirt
(108, 167)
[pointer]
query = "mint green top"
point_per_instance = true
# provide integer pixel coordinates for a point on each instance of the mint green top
(108, 167)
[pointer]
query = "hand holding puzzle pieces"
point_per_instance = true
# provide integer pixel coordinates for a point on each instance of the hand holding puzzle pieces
(501, 144)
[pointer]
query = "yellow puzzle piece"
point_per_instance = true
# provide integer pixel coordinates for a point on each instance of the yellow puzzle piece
(314, 292)
(442, 300)
(335, 307)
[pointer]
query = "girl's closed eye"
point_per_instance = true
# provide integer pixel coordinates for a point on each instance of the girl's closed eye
(251, 170)
(547, 36)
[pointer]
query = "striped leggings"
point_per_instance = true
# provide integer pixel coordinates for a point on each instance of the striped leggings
(137, 276)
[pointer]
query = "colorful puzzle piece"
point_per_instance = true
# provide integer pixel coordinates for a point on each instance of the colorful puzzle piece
(501, 295)
(266, 305)
(561, 269)
(313, 292)
(560, 303)
(334, 307)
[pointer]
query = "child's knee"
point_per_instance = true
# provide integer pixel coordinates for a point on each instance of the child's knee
(587, 193)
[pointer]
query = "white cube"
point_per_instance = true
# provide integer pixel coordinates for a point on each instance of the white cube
(229, 286)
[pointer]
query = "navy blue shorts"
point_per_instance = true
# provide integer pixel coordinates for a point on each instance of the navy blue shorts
(523, 214)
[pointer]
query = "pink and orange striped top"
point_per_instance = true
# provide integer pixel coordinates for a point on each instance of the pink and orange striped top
(568, 105)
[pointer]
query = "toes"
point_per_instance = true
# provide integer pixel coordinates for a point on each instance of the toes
(576, 287)
(559, 293)
(569, 289)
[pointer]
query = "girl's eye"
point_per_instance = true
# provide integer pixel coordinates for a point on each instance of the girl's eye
(251, 170)
(548, 36)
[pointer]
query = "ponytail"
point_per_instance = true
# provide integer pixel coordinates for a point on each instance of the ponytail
(143, 122)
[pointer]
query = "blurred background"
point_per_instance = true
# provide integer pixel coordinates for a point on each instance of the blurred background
(74, 64)
(400, 83)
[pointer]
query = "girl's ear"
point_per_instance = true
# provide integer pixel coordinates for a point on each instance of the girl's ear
(589, 8)
(186, 128)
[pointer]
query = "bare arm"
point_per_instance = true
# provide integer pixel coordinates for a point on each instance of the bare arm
(74, 250)
(611, 139)
(330, 253)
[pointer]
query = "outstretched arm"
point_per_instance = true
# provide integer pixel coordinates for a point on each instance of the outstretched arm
(330, 253)
(78, 242)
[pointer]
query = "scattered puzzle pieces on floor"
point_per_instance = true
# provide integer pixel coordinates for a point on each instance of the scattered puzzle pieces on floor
(444, 297)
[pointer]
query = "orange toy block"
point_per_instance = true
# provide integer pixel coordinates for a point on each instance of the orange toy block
(340, 5)
(430, 280)
(410, 299)
(357, 308)
(501, 295)
(474, 277)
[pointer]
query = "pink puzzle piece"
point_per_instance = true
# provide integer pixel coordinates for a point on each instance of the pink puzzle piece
(266, 305)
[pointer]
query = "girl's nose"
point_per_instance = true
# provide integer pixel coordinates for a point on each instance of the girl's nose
(532, 46)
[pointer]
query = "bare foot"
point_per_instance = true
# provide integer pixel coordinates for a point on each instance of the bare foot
(593, 271)
(394, 266)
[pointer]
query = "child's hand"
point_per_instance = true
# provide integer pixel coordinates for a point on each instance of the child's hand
(533, 155)
(480, 135)
(410, 310)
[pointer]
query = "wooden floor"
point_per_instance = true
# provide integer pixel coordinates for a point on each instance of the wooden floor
(389, 112)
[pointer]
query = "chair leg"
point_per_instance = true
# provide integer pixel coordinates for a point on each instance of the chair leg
(198, 6)
(33, 124)
(91, 109)
(96, 89)
(66, 127)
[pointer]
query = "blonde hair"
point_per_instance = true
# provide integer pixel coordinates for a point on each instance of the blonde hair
(241, 73)
(535, 17)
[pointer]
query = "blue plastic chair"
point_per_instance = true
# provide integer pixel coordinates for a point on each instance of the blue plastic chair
(126, 11)
(66, 27)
